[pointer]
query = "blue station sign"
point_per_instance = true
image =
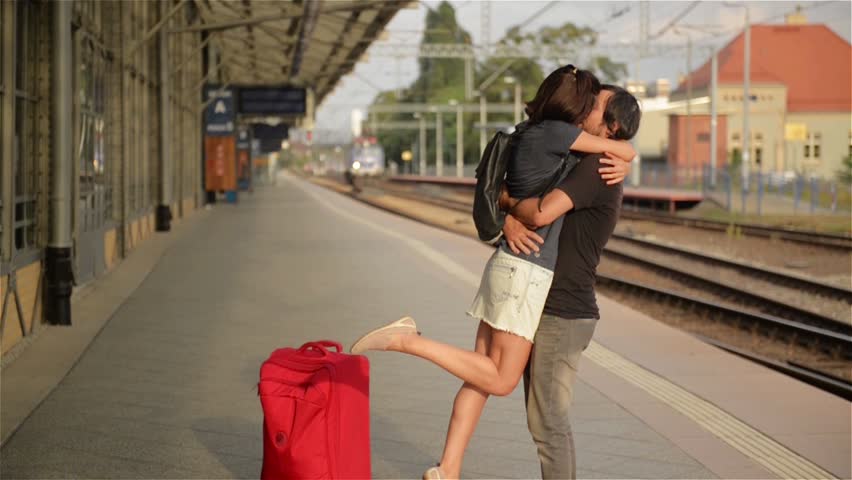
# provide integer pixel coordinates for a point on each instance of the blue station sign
(220, 115)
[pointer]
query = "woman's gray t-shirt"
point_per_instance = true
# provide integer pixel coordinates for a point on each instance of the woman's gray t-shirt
(535, 160)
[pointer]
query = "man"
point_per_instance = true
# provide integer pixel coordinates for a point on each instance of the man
(591, 209)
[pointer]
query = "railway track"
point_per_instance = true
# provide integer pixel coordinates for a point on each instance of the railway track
(827, 240)
(746, 299)
(753, 311)
(777, 277)
(784, 284)
(836, 346)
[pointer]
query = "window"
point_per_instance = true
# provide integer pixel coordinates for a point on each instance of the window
(813, 146)
(24, 152)
(95, 190)
(703, 137)
(758, 155)
(758, 136)
(735, 137)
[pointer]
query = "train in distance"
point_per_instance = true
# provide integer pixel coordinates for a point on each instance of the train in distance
(366, 158)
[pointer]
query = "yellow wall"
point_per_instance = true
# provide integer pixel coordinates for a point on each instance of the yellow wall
(110, 248)
(28, 279)
(768, 116)
(835, 129)
(188, 206)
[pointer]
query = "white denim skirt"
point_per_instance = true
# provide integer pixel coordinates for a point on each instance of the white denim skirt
(511, 294)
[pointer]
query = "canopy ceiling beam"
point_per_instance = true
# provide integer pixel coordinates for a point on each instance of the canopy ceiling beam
(357, 6)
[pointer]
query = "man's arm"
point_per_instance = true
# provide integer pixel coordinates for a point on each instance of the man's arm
(554, 205)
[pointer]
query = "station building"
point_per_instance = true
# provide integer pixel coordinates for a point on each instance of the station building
(102, 122)
(801, 102)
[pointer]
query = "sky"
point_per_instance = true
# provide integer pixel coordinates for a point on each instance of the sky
(712, 23)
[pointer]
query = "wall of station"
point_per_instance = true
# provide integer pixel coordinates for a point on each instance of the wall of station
(118, 178)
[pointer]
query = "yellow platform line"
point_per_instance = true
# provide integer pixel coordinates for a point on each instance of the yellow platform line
(755, 445)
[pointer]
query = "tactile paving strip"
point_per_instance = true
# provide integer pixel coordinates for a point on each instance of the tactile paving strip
(755, 445)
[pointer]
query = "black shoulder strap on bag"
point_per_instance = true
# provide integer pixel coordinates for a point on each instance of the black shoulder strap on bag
(565, 166)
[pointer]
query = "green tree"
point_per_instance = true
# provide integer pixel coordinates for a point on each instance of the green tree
(442, 79)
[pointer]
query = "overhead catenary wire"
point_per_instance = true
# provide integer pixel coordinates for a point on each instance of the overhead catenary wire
(674, 21)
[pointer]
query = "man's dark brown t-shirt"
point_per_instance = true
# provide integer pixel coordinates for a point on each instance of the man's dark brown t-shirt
(585, 231)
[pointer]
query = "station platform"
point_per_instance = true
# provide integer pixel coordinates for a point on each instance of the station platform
(164, 384)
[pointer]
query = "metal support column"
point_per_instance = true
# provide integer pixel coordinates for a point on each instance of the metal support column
(166, 171)
(468, 78)
(439, 145)
(422, 153)
(7, 122)
(746, 155)
(517, 101)
(714, 100)
(459, 141)
(689, 139)
(483, 118)
(58, 261)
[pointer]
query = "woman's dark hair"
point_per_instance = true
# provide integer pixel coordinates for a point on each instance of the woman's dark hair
(567, 94)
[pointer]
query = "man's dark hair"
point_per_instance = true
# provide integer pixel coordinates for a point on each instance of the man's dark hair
(622, 113)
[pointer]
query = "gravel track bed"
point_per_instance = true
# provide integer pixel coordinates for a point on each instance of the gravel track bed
(828, 265)
(836, 309)
(683, 319)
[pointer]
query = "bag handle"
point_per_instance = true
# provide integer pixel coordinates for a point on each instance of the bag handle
(321, 346)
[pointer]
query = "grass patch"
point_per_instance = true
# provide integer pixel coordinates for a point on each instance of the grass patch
(803, 221)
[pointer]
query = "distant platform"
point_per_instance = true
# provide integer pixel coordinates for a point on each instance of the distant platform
(654, 198)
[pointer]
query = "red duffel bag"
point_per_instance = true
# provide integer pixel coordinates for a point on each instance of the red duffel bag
(316, 413)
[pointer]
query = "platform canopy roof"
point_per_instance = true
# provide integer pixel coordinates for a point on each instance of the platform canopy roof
(303, 43)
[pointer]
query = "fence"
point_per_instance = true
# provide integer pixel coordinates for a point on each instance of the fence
(757, 192)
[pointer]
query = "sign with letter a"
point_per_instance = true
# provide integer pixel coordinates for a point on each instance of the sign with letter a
(219, 115)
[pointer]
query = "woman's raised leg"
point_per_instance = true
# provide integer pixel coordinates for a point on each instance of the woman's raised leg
(497, 373)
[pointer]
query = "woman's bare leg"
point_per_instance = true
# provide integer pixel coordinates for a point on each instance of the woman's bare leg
(497, 373)
(467, 409)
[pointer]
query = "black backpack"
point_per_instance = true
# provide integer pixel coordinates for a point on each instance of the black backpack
(490, 175)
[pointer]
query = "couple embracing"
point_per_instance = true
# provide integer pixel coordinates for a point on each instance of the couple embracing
(536, 302)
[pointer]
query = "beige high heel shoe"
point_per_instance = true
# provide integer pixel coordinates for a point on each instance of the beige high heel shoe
(434, 473)
(380, 338)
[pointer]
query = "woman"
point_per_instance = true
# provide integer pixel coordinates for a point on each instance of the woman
(514, 287)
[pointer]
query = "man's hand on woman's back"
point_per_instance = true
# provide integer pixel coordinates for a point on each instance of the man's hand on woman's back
(618, 169)
(519, 237)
